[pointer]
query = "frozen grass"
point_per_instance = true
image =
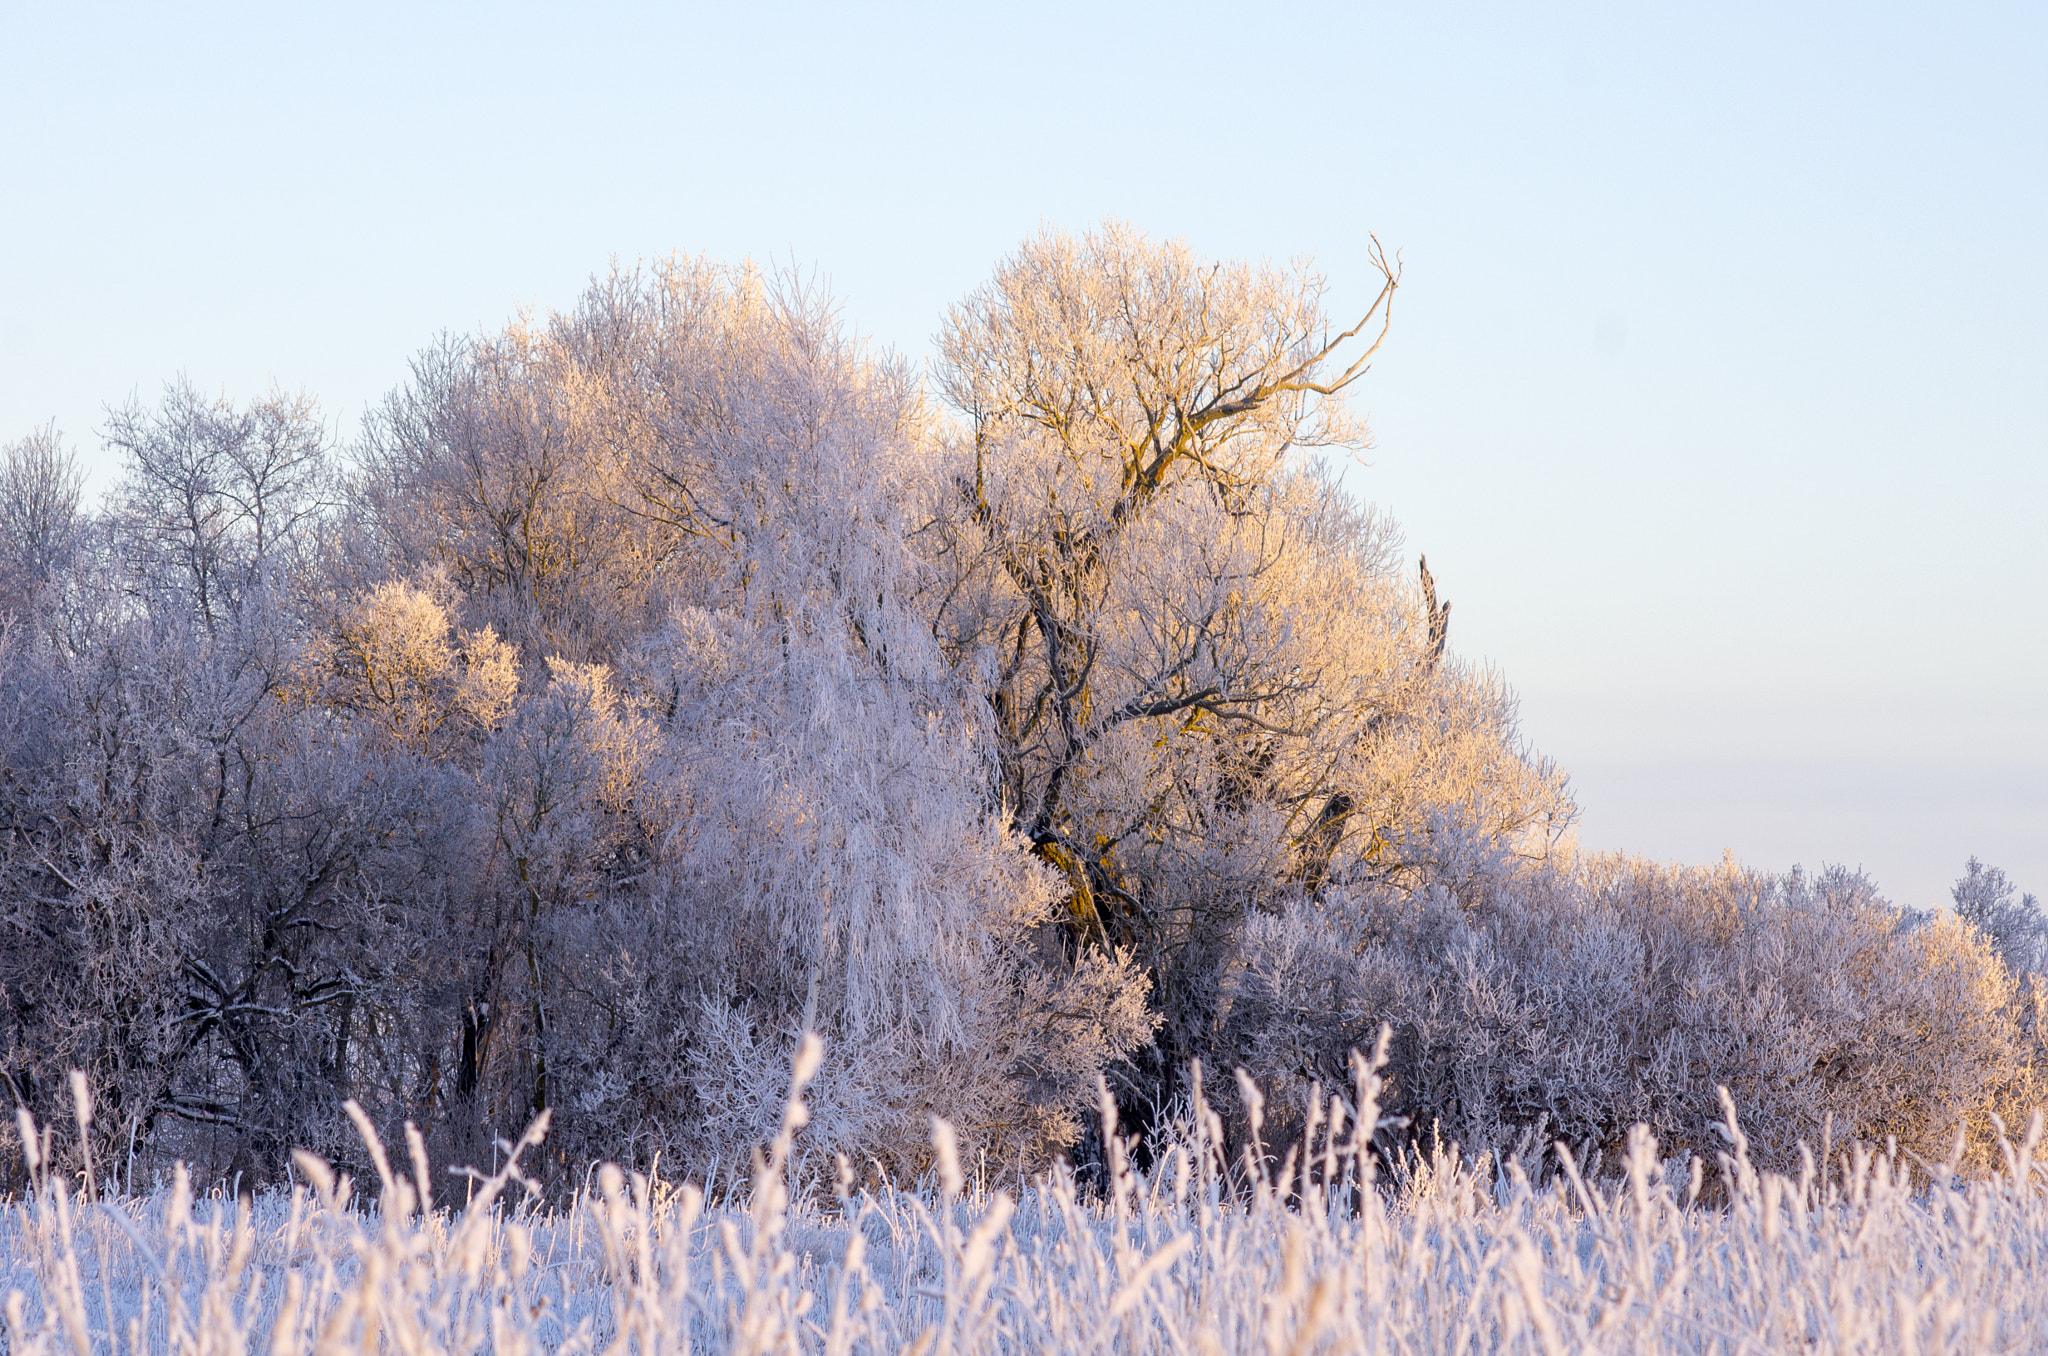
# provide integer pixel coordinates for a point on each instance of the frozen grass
(1337, 1254)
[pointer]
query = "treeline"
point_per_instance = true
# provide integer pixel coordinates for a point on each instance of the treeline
(646, 684)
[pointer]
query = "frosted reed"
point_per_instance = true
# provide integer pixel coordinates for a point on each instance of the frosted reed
(1324, 1247)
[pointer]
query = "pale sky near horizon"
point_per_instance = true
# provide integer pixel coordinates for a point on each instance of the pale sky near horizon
(1716, 391)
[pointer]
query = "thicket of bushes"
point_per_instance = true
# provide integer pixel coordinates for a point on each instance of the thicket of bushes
(646, 684)
(1576, 999)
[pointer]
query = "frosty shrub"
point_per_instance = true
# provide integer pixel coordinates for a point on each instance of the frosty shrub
(1575, 999)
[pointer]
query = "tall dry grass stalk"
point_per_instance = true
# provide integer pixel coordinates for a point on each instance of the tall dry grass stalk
(1332, 1250)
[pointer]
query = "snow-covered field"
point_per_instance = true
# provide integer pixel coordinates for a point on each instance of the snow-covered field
(1346, 1255)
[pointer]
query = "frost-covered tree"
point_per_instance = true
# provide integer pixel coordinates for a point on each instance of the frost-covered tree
(500, 464)
(213, 886)
(214, 496)
(1138, 551)
(39, 517)
(2017, 927)
(1211, 687)
(1113, 385)
(201, 874)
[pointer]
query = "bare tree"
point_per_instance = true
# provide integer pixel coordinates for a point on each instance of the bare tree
(1135, 542)
(2018, 928)
(1101, 375)
(212, 494)
(40, 485)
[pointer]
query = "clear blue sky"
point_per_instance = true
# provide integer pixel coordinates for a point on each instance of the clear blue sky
(1718, 390)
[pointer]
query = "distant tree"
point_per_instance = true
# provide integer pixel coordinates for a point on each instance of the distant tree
(211, 494)
(2016, 927)
(39, 522)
